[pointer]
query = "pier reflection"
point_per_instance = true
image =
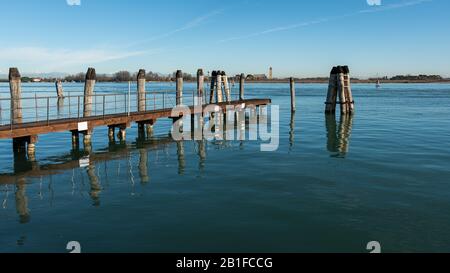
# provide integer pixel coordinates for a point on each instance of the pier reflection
(88, 169)
(338, 137)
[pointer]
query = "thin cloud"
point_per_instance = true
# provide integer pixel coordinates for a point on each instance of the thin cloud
(323, 20)
(189, 25)
(49, 59)
(73, 2)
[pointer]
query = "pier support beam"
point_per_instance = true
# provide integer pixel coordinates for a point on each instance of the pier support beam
(293, 102)
(122, 134)
(241, 86)
(15, 86)
(179, 87)
(89, 86)
(111, 134)
(75, 140)
(31, 148)
(141, 101)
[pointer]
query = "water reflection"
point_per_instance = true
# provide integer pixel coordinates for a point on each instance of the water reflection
(292, 132)
(338, 139)
(87, 169)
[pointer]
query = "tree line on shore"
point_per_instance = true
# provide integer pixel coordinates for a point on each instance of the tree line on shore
(125, 76)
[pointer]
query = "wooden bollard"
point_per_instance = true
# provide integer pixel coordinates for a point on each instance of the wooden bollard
(226, 87)
(141, 101)
(200, 86)
(241, 86)
(332, 92)
(219, 87)
(348, 90)
(179, 100)
(89, 86)
(59, 89)
(341, 90)
(293, 103)
(212, 87)
(15, 86)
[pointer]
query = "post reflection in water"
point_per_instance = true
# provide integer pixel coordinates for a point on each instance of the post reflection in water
(87, 169)
(292, 132)
(22, 201)
(338, 139)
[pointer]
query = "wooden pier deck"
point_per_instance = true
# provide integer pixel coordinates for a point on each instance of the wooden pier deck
(71, 124)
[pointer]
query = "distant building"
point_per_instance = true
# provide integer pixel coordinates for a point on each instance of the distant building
(36, 80)
(270, 73)
(257, 77)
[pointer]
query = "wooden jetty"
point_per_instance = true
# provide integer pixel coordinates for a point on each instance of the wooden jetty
(87, 116)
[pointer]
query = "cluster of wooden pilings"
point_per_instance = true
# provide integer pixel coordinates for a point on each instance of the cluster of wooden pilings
(340, 86)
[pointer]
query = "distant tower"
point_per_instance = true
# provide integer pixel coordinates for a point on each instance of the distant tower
(270, 73)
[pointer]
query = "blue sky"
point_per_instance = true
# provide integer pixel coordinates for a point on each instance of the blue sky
(297, 38)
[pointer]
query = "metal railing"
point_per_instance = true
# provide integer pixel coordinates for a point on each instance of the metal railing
(36, 108)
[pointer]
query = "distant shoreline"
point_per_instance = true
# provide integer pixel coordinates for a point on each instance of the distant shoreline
(306, 81)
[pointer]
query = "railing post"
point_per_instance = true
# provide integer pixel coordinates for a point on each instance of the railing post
(48, 111)
(70, 114)
(78, 107)
(129, 98)
(15, 85)
(164, 100)
(103, 106)
(89, 86)
(36, 107)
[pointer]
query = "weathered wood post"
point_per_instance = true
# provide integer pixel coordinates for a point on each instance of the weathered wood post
(89, 86)
(348, 90)
(226, 86)
(59, 89)
(332, 92)
(341, 90)
(200, 86)
(15, 86)
(241, 86)
(179, 87)
(293, 103)
(141, 101)
(219, 87)
(213, 86)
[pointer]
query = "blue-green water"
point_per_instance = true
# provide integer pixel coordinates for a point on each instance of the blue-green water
(332, 186)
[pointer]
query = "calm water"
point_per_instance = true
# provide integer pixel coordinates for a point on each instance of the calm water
(332, 186)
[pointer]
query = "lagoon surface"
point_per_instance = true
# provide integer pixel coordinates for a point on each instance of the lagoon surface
(333, 185)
